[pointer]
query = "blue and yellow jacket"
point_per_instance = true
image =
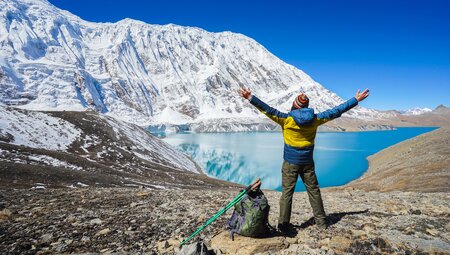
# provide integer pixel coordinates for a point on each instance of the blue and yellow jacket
(300, 126)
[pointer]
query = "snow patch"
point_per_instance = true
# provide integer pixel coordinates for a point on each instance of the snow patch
(145, 146)
(37, 130)
(82, 184)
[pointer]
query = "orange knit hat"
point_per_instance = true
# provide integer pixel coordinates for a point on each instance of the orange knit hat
(301, 101)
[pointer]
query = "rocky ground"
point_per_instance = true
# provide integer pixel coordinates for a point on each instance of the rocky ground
(101, 220)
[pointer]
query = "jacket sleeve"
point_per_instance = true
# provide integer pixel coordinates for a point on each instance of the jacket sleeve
(272, 113)
(336, 112)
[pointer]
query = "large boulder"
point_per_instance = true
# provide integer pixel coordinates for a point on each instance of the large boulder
(242, 245)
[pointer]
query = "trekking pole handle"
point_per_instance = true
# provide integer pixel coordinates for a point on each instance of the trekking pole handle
(254, 185)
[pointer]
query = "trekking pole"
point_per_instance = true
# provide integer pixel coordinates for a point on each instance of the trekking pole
(223, 210)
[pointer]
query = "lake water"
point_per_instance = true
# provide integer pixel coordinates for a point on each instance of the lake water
(340, 157)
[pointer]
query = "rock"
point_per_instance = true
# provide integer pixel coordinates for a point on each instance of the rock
(46, 238)
(58, 246)
(304, 238)
(169, 246)
(95, 221)
(340, 243)
(368, 226)
(292, 240)
(325, 242)
(5, 214)
(246, 245)
(358, 233)
(19, 219)
(174, 242)
(71, 219)
(103, 232)
(432, 232)
(296, 249)
(198, 248)
(142, 193)
(163, 246)
(415, 212)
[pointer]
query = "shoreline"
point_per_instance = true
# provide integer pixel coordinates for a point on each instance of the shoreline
(423, 157)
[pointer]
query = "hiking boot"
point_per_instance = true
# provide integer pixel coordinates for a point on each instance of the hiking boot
(282, 227)
(322, 224)
(287, 229)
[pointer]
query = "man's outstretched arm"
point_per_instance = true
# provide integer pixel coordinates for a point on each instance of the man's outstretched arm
(337, 111)
(272, 113)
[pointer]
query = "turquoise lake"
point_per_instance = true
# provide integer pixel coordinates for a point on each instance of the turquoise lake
(340, 157)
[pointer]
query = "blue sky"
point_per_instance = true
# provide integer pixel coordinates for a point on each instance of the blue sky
(399, 49)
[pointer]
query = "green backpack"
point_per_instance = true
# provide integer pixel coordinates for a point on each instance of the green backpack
(250, 216)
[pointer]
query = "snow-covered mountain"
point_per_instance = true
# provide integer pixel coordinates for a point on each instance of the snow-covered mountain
(416, 111)
(51, 59)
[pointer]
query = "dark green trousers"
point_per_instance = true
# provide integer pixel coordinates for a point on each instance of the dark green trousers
(290, 173)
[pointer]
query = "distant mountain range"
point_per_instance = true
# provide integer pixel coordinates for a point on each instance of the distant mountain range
(416, 111)
(145, 74)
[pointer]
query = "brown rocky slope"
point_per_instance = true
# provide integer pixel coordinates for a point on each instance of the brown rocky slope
(419, 164)
(104, 153)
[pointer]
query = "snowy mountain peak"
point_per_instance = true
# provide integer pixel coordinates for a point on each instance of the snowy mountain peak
(417, 111)
(141, 73)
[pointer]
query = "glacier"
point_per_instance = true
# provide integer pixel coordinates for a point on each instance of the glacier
(145, 74)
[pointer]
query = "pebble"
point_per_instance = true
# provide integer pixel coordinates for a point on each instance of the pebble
(5, 214)
(103, 232)
(95, 221)
(432, 232)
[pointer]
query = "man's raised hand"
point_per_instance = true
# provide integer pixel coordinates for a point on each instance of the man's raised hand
(245, 93)
(361, 96)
